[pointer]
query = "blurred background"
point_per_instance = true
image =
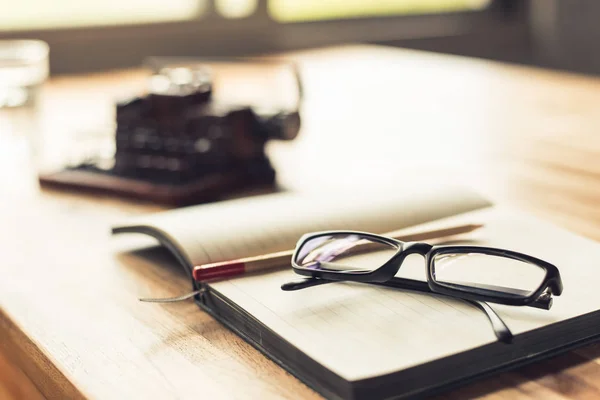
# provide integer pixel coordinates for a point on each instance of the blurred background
(546, 33)
(482, 112)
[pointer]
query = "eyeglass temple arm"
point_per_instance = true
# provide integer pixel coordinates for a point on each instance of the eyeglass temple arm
(544, 301)
(501, 331)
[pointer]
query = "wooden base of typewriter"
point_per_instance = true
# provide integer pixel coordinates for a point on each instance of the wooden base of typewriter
(210, 187)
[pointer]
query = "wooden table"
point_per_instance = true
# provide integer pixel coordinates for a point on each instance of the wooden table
(70, 322)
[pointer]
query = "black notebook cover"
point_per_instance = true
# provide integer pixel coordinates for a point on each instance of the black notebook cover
(426, 379)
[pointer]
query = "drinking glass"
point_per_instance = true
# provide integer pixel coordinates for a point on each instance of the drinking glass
(23, 69)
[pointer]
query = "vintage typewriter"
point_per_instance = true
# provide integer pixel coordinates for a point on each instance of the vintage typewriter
(177, 145)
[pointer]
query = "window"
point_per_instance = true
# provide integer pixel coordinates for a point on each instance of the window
(37, 14)
(311, 10)
(236, 8)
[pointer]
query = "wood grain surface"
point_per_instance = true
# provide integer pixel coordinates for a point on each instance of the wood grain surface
(70, 322)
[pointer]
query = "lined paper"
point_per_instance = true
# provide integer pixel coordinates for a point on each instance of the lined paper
(360, 331)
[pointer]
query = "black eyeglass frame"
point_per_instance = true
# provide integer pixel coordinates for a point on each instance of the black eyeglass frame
(552, 280)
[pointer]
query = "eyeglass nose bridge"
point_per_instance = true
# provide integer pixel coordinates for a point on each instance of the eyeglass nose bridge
(389, 269)
(416, 248)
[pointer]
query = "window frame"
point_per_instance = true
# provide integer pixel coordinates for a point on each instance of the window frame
(213, 35)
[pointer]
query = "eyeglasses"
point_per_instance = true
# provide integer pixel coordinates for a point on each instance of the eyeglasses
(471, 273)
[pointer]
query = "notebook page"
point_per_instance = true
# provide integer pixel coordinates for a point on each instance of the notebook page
(360, 331)
(264, 224)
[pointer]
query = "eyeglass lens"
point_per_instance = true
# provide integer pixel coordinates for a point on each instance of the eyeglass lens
(487, 274)
(344, 253)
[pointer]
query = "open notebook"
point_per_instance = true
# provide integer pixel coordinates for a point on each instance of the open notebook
(362, 341)
(265, 224)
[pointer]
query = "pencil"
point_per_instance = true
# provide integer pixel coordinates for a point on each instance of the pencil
(226, 269)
